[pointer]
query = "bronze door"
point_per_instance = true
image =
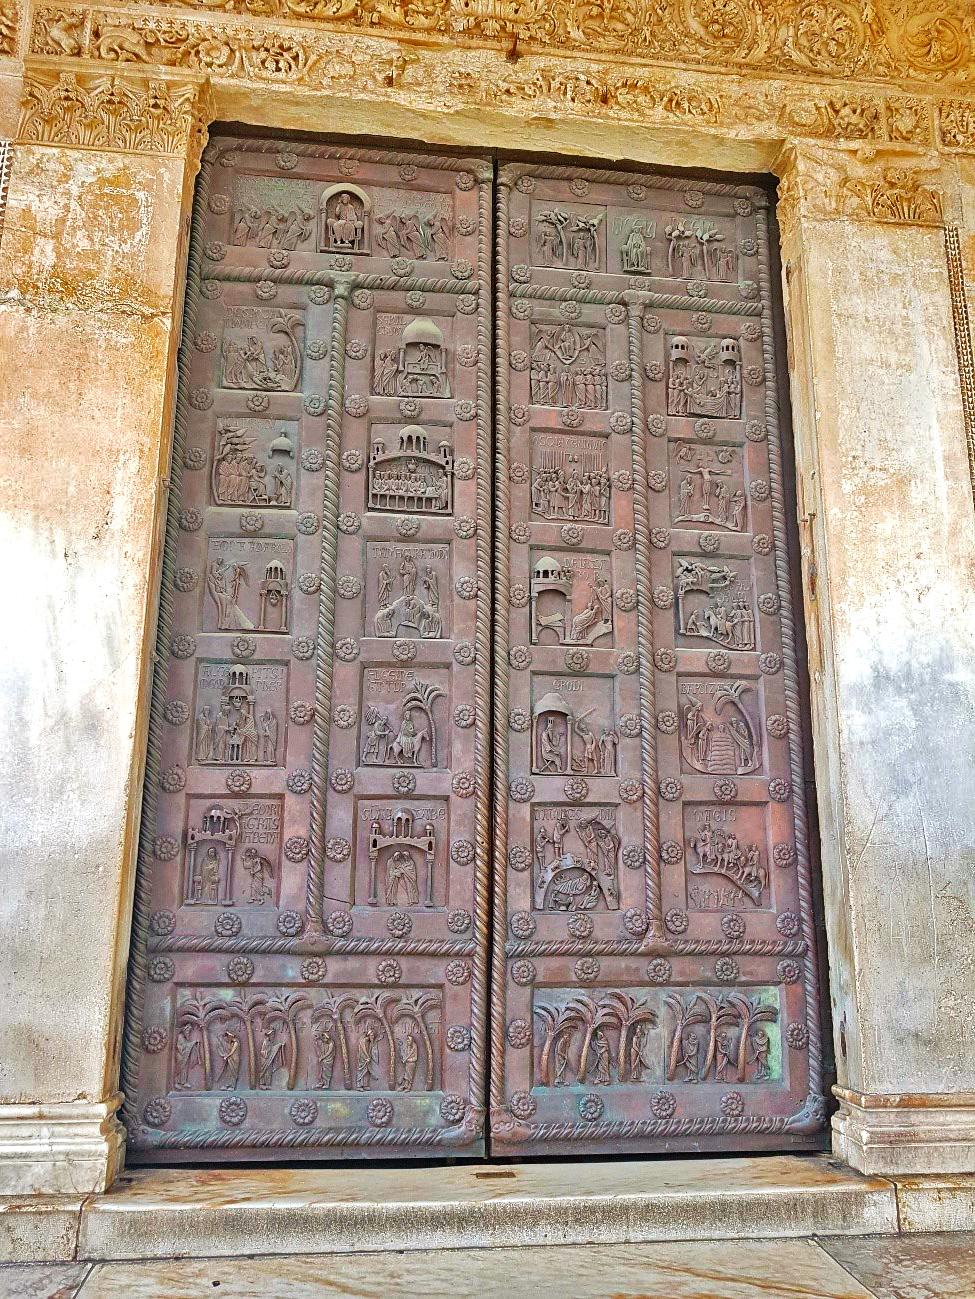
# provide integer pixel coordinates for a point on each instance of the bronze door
(310, 936)
(310, 960)
(654, 978)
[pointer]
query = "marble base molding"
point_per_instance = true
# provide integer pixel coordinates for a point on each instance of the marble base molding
(60, 1149)
(905, 1134)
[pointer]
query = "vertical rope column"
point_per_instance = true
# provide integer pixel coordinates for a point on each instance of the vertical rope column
(641, 528)
(963, 340)
(326, 605)
(483, 845)
(138, 955)
(789, 669)
(502, 582)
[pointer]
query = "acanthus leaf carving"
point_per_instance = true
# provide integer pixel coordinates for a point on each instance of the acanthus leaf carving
(118, 113)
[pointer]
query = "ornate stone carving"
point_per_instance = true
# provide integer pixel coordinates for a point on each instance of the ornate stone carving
(124, 113)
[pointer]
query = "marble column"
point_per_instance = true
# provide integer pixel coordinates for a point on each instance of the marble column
(91, 278)
(888, 540)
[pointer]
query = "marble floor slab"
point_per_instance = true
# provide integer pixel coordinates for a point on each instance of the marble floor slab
(42, 1280)
(709, 1270)
(205, 1213)
(936, 1266)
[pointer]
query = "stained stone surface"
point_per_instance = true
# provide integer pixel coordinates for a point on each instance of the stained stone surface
(705, 1270)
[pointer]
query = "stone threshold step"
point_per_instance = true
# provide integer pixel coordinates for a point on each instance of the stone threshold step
(202, 1213)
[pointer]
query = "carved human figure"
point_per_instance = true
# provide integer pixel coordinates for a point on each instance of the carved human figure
(324, 1055)
(607, 752)
(224, 580)
(260, 871)
(203, 743)
(366, 1060)
(760, 1047)
(229, 1050)
(561, 1058)
(268, 736)
(724, 1049)
(407, 1052)
(401, 870)
(438, 230)
(187, 1056)
(690, 1056)
(602, 1075)
(271, 1049)
(551, 754)
(210, 876)
(408, 572)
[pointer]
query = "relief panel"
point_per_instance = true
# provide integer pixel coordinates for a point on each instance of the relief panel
(309, 952)
(657, 987)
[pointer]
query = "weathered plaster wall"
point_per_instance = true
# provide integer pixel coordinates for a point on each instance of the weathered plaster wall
(897, 557)
(87, 277)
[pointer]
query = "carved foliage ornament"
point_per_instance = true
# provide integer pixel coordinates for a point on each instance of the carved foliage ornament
(100, 112)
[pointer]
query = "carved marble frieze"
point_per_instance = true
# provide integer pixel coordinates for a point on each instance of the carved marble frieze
(888, 40)
(901, 97)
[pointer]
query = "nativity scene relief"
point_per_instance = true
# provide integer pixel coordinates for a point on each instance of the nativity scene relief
(576, 859)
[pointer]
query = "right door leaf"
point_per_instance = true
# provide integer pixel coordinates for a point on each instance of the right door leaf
(655, 978)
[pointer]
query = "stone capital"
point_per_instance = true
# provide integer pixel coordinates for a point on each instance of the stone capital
(121, 112)
(825, 182)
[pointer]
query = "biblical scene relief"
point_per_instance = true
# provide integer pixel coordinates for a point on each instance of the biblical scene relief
(704, 377)
(573, 726)
(570, 478)
(575, 858)
(343, 219)
(635, 235)
(248, 584)
(725, 842)
(269, 212)
(707, 486)
(568, 366)
(232, 851)
(718, 1036)
(719, 731)
(403, 590)
(574, 238)
(237, 711)
(714, 602)
(307, 1039)
(698, 250)
(600, 1039)
(412, 224)
(411, 357)
(408, 475)
(401, 710)
(262, 349)
(253, 463)
(571, 599)
(401, 853)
